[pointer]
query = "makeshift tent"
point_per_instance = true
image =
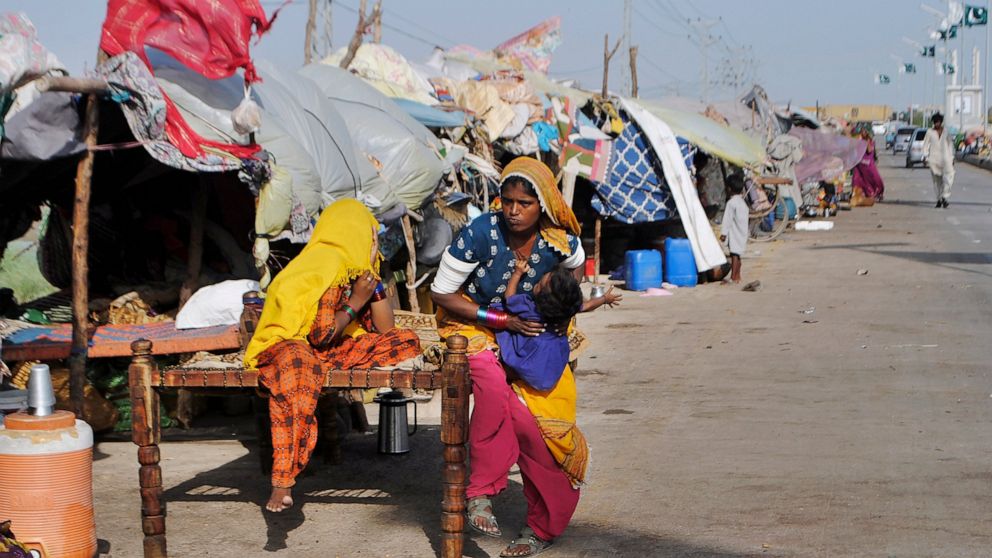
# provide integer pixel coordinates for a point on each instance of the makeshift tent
(826, 155)
(634, 189)
(721, 141)
(409, 154)
(705, 248)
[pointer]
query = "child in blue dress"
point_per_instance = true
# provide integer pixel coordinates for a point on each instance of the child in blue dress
(554, 301)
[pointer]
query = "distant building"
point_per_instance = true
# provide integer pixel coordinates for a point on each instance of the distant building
(853, 113)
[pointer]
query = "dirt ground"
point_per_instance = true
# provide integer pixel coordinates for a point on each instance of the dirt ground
(722, 423)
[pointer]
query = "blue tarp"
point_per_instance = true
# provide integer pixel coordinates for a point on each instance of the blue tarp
(430, 116)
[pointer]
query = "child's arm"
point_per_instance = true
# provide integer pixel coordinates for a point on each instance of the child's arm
(518, 273)
(609, 299)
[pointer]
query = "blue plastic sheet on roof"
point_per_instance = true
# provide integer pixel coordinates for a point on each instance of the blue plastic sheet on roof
(430, 116)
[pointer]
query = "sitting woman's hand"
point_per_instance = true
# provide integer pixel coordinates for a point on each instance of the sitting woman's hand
(519, 325)
(362, 289)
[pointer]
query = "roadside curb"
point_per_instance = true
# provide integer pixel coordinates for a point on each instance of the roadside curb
(977, 161)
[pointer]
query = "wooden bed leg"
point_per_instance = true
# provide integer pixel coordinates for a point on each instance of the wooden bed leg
(146, 433)
(454, 434)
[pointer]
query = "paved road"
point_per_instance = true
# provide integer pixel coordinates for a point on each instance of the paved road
(860, 429)
(722, 423)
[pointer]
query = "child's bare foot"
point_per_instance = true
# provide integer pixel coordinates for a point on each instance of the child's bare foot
(280, 500)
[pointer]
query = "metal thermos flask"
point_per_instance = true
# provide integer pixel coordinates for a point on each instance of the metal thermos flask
(394, 433)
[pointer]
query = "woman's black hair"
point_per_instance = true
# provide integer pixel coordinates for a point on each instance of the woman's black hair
(528, 187)
(561, 299)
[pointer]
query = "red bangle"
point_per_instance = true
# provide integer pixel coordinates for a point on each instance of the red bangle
(496, 319)
(379, 293)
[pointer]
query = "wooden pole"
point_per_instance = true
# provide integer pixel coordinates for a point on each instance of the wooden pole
(596, 252)
(377, 22)
(146, 433)
(356, 39)
(454, 434)
(607, 54)
(80, 251)
(633, 72)
(73, 85)
(311, 30)
(195, 255)
(411, 266)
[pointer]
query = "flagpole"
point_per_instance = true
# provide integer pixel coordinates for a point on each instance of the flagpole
(985, 73)
(961, 78)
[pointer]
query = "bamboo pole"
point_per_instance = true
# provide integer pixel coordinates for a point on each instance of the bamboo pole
(80, 251)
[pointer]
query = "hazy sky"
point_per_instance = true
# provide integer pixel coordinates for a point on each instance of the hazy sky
(804, 50)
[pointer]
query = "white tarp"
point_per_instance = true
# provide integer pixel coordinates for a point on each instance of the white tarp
(408, 152)
(705, 247)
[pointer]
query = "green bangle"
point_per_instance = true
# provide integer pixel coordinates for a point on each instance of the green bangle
(350, 311)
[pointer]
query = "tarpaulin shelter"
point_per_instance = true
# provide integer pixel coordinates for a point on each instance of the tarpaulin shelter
(408, 154)
(826, 155)
(724, 142)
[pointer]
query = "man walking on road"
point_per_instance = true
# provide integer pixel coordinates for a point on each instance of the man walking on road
(938, 152)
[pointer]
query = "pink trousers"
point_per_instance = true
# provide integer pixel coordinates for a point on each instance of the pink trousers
(503, 432)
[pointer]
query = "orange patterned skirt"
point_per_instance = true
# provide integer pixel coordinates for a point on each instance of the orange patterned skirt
(294, 374)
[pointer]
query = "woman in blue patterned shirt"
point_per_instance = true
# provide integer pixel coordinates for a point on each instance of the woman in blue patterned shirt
(513, 422)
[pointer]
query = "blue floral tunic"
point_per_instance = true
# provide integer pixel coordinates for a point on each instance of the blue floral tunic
(483, 242)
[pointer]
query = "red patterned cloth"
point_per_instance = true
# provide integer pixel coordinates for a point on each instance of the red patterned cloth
(209, 36)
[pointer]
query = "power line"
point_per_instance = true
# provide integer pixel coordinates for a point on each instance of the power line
(427, 42)
(422, 28)
(652, 23)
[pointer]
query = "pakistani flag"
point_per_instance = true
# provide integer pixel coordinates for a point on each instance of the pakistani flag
(975, 15)
(882, 79)
(929, 51)
(950, 33)
(908, 69)
(946, 69)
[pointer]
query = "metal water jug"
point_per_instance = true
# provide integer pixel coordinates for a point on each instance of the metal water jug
(394, 433)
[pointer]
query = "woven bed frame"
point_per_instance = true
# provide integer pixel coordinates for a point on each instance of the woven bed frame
(147, 380)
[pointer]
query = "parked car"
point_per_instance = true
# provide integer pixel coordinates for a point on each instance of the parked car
(901, 143)
(878, 127)
(914, 154)
(890, 132)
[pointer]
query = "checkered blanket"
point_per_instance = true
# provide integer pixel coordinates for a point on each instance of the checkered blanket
(634, 188)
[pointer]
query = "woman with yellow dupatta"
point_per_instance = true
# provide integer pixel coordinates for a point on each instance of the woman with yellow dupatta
(512, 422)
(326, 310)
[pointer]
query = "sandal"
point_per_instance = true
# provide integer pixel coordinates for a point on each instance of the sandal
(535, 545)
(477, 510)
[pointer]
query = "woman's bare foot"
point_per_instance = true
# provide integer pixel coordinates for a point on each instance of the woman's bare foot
(280, 500)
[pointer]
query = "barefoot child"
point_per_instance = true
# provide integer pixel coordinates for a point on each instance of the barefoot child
(556, 299)
(734, 229)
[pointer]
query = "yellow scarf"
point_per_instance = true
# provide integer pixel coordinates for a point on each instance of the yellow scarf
(557, 219)
(339, 250)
